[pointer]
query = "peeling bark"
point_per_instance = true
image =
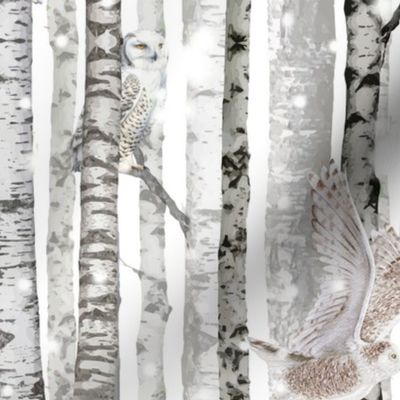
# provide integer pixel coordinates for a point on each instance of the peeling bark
(301, 107)
(61, 318)
(20, 363)
(155, 304)
(233, 349)
(97, 365)
(203, 20)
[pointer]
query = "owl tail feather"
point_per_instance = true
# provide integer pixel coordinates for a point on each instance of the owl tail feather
(275, 356)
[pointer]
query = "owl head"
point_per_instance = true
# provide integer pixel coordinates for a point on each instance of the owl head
(145, 50)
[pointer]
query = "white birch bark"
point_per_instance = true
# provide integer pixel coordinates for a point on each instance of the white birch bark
(97, 365)
(61, 318)
(233, 350)
(155, 304)
(20, 363)
(364, 64)
(366, 78)
(302, 65)
(204, 40)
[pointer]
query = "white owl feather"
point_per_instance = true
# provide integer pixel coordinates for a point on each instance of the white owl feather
(339, 353)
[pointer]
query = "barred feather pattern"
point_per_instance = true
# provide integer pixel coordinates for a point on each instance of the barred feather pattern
(136, 112)
(384, 308)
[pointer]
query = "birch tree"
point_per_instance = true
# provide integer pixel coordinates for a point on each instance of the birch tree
(20, 363)
(365, 79)
(204, 41)
(233, 350)
(62, 329)
(364, 64)
(301, 39)
(155, 304)
(97, 365)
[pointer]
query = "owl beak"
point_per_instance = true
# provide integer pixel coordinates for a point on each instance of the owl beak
(155, 57)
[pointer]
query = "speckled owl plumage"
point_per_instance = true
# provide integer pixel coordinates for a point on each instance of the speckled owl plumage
(340, 354)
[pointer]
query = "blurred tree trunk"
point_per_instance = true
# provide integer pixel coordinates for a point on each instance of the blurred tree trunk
(155, 304)
(233, 349)
(204, 39)
(61, 318)
(20, 362)
(301, 44)
(97, 365)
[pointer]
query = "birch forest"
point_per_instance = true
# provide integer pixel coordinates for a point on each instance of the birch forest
(199, 200)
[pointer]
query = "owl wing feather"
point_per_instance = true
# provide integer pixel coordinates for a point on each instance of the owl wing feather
(384, 309)
(136, 108)
(336, 318)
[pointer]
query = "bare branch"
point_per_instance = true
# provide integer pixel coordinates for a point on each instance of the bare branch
(391, 25)
(157, 189)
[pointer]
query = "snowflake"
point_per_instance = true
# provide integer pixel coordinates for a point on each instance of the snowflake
(7, 391)
(299, 101)
(24, 285)
(25, 103)
(62, 41)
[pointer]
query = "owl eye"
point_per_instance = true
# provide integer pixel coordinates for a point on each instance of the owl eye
(140, 46)
(393, 356)
(161, 45)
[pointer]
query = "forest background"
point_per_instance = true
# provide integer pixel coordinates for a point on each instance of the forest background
(180, 65)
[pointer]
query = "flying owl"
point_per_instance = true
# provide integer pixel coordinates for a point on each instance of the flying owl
(144, 62)
(340, 353)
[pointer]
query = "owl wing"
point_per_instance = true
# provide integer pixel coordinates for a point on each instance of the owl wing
(384, 309)
(136, 112)
(134, 95)
(335, 320)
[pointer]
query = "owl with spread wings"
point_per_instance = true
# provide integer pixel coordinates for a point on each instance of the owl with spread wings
(341, 352)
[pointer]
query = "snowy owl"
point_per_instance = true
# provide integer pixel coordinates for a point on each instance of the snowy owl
(339, 354)
(144, 62)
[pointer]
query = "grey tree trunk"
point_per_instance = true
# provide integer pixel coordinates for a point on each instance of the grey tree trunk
(301, 106)
(61, 318)
(20, 363)
(203, 21)
(155, 304)
(367, 79)
(97, 365)
(233, 349)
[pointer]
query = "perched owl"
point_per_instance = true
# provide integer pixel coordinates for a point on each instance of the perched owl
(340, 352)
(144, 62)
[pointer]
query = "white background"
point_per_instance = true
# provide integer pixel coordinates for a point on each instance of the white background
(174, 178)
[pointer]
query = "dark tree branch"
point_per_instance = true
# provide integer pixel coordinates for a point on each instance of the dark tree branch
(391, 26)
(158, 190)
(140, 171)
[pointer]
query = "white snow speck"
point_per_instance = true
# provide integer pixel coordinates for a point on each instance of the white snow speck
(62, 41)
(53, 346)
(332, 46)
(244, 345)
(100, 277)
(338, 285)
(24, 285)
(288, 20)
(7, 391)
(25, 103)
(299, 101)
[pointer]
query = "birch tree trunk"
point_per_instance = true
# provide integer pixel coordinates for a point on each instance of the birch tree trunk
(61, 318)
(302, 65)
(20, 364)
(155, 304)
(203, 27)
(365, 65)
(97, 365)
(233, 350)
